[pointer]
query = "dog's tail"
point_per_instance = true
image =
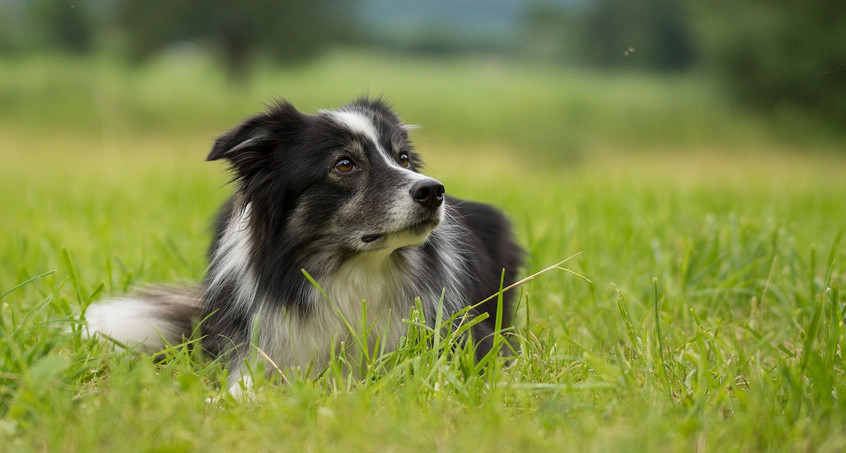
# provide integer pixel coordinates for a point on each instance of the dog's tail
(147, 320)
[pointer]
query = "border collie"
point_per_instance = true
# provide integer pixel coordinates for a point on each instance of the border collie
(337, 196)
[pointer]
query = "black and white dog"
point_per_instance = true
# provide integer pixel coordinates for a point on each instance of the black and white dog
(339, 196)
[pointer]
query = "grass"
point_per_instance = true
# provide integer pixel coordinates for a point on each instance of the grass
(713, 320)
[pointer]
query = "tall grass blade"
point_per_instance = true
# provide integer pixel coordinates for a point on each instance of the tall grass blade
(26, 282)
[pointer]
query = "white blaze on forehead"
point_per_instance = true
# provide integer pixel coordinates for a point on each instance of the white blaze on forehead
(356, 122)
(360, 123)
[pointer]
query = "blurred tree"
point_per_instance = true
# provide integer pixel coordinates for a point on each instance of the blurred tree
(46, 24)
(600, 32)
(66, 24)
(236, 31)
(657, 30)
(779, 53)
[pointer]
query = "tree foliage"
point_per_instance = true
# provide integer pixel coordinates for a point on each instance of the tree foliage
(235, 31)
(66, 24)
(778, 54)
(657, 31)
(46, 24)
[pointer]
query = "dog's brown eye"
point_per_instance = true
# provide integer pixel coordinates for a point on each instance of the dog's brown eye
(344, 166)
(403, 160)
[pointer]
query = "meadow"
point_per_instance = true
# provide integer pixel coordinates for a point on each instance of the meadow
(702, 308)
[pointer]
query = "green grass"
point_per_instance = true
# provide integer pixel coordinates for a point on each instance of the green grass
(713, 320)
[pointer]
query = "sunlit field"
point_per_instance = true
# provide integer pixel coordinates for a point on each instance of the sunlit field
(707, 313)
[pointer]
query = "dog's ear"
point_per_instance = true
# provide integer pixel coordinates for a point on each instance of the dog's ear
(249, 144)
(245, 137)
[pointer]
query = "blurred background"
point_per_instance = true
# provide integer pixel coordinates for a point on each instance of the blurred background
(558, 78)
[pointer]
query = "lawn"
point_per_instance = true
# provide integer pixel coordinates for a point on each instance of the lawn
(710, 317)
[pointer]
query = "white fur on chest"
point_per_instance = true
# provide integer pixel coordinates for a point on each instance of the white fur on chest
(363, 300)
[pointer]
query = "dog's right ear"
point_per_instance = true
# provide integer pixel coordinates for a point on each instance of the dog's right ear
(243, 138)
(248, 145)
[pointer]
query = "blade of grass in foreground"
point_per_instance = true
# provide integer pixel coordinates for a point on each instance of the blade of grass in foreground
(26, 282)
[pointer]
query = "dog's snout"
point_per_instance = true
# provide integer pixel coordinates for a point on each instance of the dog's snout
(428, 192)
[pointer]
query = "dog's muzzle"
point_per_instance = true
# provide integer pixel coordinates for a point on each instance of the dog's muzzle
(427, 192)
(415, 224)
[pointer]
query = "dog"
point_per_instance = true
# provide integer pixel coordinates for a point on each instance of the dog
(331, 227)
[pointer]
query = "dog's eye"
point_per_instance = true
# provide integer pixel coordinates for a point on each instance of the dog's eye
(403, 160)
(344, 165)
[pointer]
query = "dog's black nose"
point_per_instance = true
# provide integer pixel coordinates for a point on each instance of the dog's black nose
(428, 192)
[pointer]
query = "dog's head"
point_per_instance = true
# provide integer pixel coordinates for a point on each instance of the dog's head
(347, 179)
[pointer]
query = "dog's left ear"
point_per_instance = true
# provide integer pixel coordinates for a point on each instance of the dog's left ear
(248, 145)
